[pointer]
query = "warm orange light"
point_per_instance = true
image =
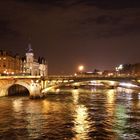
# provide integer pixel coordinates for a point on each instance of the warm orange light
(75, 74)
(81, 68)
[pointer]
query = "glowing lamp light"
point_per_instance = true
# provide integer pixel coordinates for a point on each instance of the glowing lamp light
(75, 74)
(120, 67)
(81, 68)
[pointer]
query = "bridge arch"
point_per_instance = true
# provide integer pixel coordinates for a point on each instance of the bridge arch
(107, 83)
(6, 87)
(18, 90)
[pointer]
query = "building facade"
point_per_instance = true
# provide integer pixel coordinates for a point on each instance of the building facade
(28, 65)
(34, 66)
(10, 64)
(129, 69)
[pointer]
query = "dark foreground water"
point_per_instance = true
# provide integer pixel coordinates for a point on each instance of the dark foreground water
(75, 115)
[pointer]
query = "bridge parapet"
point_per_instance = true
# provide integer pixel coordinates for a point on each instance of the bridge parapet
(20, 77)
(91, 77)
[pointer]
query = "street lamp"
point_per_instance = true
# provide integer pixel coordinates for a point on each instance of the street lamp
(81, 68)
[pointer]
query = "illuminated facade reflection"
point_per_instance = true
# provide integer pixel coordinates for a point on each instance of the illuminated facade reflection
(17, 105)
(35, 125)
(110, 106)
(81, 123)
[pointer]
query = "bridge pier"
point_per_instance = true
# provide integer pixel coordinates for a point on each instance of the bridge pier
(35, 91)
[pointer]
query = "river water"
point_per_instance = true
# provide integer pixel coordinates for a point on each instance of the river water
(77, 114)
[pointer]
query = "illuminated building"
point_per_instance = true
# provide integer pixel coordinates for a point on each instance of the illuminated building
(15, 65)
(10, 64)
(34, 66)
(130, 69)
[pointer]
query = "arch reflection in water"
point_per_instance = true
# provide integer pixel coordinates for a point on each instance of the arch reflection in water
(81, 123)
(34, 125)
(17, 105)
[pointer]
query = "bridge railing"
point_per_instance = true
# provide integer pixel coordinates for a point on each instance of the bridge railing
(93, 76)
(20, 77)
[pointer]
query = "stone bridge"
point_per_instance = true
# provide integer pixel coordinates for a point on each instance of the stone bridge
(53, 82)
(31, 83)
(37, 85)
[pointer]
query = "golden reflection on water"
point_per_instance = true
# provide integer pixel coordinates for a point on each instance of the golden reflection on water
(17, 105)
(81, 123)
(110, 96)
(51, 107)
(75, 95)
(59, 115)
(46, 106)
(110, 106)
(35, 125)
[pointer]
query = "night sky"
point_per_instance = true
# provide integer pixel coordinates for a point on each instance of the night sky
(100, 34)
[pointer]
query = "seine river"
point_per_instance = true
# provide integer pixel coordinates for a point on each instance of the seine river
(73, 115)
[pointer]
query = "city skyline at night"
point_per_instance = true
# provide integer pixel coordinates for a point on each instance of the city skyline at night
(69, 69)
(98, 34)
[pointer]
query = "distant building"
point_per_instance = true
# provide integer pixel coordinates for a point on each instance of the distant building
(130, 69)
(109, 72)
(10, 64)
(136, 69)
(28, 65)
(34, 66)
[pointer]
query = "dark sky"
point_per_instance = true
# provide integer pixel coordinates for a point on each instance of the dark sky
(97, 33)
